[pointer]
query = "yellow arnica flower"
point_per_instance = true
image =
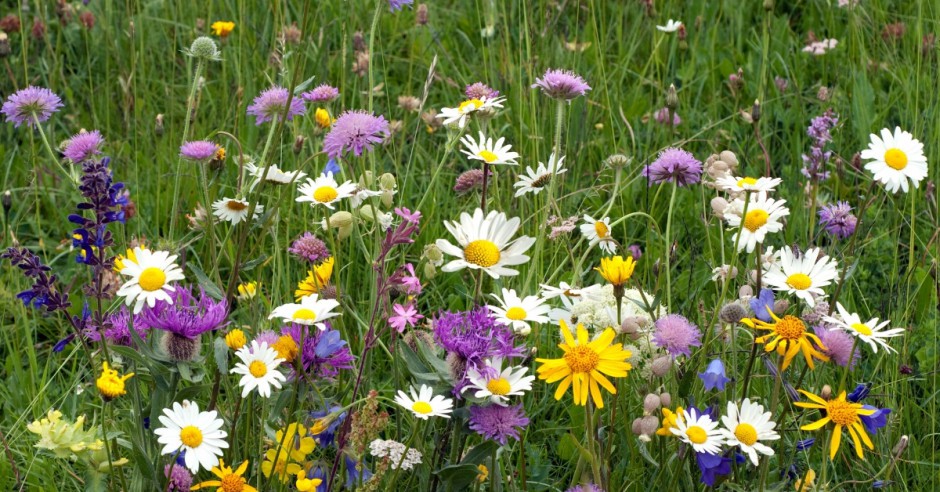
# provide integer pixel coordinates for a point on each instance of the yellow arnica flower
(585, 364)
(222, 28)
(323, 119)
(616, 270)
(229, 481)
(305, 484)
(842, 413)
(286, 348)
(316, 279)
(789, 338)
(247, 291)
(110, 384)
(669, 422)
(235, 339)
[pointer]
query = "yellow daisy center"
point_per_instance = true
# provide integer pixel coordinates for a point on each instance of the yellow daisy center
(895, 158)
(755, 219)
(582, 359)
(841, 412)
(799, 281)
(515, 313)
(191, 436)
(862, 328)
(258, 369)
(746, 181)
(286, 348)
(481, 253)
(487, 156)
(498, 386)
(601, 229)
(746, 434)
(233, 483)
(152, 279)
(305, 314)
(422, 407)
(236, 205)
(469, 105)
(325, 194)
(696, 434)
(790, 327)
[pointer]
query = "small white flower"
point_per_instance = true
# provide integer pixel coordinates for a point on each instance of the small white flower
(234, 210)
(488, 151)
(535, 180)
(671, 26)
(700, 431)
(895, 159)
(598, 232)
(424, 403)
(310, 311)
(485, 243)
(518, 312)
(762, 217)
(325, 191)
(735, 184)
(872, 332)
(396, 453)
(804, 276)
(461, 113)
(258, 368)
(274, 175)
(498, 384)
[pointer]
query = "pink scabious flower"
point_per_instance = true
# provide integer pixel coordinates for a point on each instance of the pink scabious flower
(310, 248)
(404, 316)
(562, 84)
(355, 131)
(179, 478)
(267, 336)
(272, 103)
(321, 93)
(83, 146)
(674, 165)
(479, 90)
(199, 150)
(677, 335)
(31, 105)
(838, 345)
(662, 117)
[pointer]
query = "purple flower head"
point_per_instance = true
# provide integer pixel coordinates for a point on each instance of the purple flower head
(179, 477)
(355, 131)
(674, 166)
(761, 304)
(272, 103)
(44, 291)
(105, 200)
(635, 251)
(876, 420)
(714, 376)
(817, 158)
(805, 444)
(562, 84)
(712, 466)
(30, 105)
(188, 316)
(479, 90)
(199, 150)
(321, 93)
(116, 328)
(859, 393)
(662, 117)
(587, 487)
(838, 345)
(83, 146)
(396, 5)
(497, 422)
(267, 336)
(472, 336)
(838, 219)
(323, 353)
(677, 335)
(310, 248)
(354, 477)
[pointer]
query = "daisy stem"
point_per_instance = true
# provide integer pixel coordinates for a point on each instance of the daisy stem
(774, 399)
(848, 365)
(910, 248)
(200, 64)
(672, 202)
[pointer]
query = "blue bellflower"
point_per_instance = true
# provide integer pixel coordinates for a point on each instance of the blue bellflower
(714, 376)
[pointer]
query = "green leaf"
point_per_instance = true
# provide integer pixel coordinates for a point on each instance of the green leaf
(479, 453)
(204, 282)
(220, 349)
(457, 477)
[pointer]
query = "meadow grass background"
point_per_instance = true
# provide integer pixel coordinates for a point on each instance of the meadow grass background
(118, 76)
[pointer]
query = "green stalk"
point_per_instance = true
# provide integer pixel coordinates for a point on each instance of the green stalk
(200, 65)
(672, 202)
(45, 143)
(550, 197)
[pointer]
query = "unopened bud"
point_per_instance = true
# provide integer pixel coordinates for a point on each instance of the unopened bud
(732, 313)
(781, 306)
(745, 291)
(631, 324)
(768, 5)
(637, 426)
(299, 144)
(755, 111)
(433, 254)
(365, 181)
(367, 213)
(665, 399)
(651, 403)
(900, 446)
(648, 425)
(7, 200)
(429, 270)
(826, 392)
(421, 14)
(617, 161)
(4, 45)
(158, 125)
(204, 48)
(719, 205)
(729, 157)
(672, 99)
(344, 232)
(661, 365)
(339, 220)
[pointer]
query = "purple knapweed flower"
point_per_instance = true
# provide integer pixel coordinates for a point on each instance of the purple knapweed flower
(355, 131)
(31, 105)
(838, 220)
(199, 150)
(479, 90)
(117, 328)
(838, 345)
(674, 166)
(471, 336)
(321, 94)
(272, 103)
(188, 316)
(83, 146)
(396, 5)
(310, 248)
(677, 335)
(498, 423)
(714, 376)
(562, 84)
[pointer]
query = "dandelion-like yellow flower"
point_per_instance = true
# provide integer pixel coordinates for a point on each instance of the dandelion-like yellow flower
(235, 339)
(585, 365)
(110, 384)
(670, 421)
(841, 413)
(222, 28)
(316, 279)
(322, 118)
(229, 481)
(220, 153)
(482, 473)
(789, 338)
(617, 270)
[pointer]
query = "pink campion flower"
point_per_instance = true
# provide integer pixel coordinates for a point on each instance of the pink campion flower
(404, 315)
(411, 282)
(413, 217)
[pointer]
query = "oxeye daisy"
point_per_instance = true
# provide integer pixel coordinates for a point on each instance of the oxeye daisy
(229, 480)
(488, 151)
(462, 112)
(424, 403)
(325, 191)
(485, 243)
(258, 368)
(535, 180)
(804, 276)
(234, 210)
(746, 426)
(274, 175)
(518, 312)
(735, 184)
(586, 365)
(311, 310)
(870, 332)
(843, 414)
(763, 216)
(151, 273)
(498, 384)
(197, 433)
(316, 279)
(895, 158)
(598, 232)
(699, 430)
(789, 337)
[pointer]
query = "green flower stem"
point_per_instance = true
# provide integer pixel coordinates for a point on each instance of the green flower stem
(200, 66)
(672, 202)
(45, 143)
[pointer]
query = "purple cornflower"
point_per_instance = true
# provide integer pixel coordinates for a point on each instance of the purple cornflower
(179, 478)
(199, 150)
(324, 352)
(838, 345)
(471, 336)
(815, 162)
(712, 466)
(588, 487)
(321, 94)
(31, 105)
(116, 328)
(310, 248)
(396, 5)
(355, 131)
(674, 166)
(479, 90)
(497, 422)
(562, 84)
(662, 117)
(677, 335)
(105, 199)
(714, 376)
(83, 146)
(763, 304)
(44, 291)
(838, 219)
(187, 316)
(272, 103)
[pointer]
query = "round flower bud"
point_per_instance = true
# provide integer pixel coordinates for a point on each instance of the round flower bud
(662, 365)
(204, 48)
(648, 425)
(631, 324)
(665, 399)
(340, 219)
(719, 205)
(433, 254)
(780, 306)
(651, 403)
(826, 392)
(732, 313)
(344, 232)
(367, 213)
(387, 182)
(617, 161)
(745, 291)
(637, 426)
(387, 197)
(729, 157)
(429, 270)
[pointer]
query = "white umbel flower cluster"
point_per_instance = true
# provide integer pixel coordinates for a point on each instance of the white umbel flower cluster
(394, 450)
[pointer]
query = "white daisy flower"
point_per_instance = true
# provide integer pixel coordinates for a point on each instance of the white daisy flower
(325, 191)
(311, 310)
(518, 312)
(534, 180)
(198, 433)
(360, 195)
(747, 426)
(872, 332)
(735, 184)
(498, 384)
(671, 26)
(700, 431)
(424, 403)
(803, 276)
(151, 273)
(895, 159)
(275, 175)
(485, 243)
(763, 216)
(461, 113)
(598, 232)
(234, 210)
(258, 368)
(488, 151)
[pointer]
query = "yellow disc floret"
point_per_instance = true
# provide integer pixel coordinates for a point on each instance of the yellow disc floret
(482, 253)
